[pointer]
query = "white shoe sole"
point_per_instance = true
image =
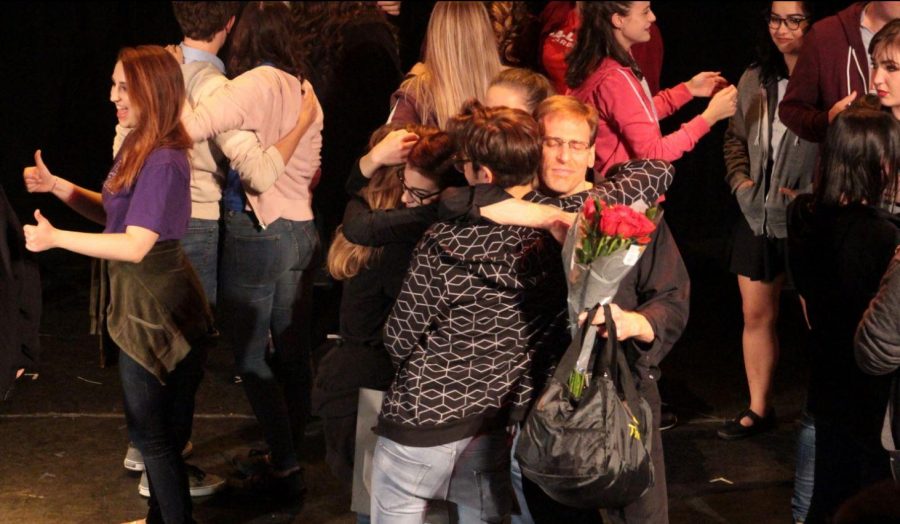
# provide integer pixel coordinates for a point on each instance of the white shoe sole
(132, 465)
(208, 489)
(199, 491)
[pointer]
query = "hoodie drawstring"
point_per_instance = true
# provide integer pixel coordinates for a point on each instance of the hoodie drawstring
(852, 54)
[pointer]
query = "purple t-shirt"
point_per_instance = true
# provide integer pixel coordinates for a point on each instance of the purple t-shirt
(160, 199)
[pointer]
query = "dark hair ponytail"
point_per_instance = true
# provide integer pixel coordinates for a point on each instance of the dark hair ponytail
(596, 41)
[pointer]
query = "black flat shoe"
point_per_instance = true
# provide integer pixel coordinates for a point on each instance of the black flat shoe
(733, 429)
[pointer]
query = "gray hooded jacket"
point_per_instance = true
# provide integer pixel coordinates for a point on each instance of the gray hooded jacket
(747, 149)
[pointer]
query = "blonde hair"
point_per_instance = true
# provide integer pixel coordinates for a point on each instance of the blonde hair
(461, 59)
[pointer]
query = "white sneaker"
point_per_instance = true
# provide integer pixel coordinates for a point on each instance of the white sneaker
(201, 484)
(135, 462)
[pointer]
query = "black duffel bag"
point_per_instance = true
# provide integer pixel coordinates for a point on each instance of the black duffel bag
(593, 453)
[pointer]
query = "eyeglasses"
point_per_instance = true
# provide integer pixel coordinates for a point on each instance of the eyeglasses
(791, 22)
(417, 192)
(553, 142)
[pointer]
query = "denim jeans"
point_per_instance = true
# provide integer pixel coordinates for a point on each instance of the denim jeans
(159, 420)
(524, 516)
(261, 275)
(805, 467)
(473, 473)
(846, 463)
(201, 246)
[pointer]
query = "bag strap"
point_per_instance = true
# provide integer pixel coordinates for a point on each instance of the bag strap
(606, 361)
(584, 338)
(613, 359)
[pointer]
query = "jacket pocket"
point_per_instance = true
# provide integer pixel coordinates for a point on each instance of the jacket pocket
(746, 198)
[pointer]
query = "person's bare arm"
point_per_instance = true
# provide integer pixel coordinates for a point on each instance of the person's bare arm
(39, 179)
(130, 246)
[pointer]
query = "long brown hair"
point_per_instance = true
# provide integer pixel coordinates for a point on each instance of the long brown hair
(156, 92)
(262, 35)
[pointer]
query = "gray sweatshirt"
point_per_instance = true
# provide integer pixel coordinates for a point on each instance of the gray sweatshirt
(748, 146)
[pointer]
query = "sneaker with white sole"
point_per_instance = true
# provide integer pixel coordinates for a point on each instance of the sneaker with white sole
(134, 461)
(202, 484)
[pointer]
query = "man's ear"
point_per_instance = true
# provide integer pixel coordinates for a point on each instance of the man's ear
(486, 175)
(230, 24)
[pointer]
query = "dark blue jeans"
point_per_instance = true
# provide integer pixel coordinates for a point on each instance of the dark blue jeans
(261, 276)
(159, 420)
(201, 246)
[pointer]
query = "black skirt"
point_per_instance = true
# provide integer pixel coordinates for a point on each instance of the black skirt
(757, 257)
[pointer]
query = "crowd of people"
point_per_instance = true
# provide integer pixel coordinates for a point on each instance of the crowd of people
(440, 201)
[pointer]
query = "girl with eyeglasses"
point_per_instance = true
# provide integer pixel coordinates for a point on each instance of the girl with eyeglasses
(767, 165)
(603, 73)
(372, 277)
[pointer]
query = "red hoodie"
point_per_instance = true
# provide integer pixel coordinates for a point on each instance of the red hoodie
(629, 120)
(832, 63)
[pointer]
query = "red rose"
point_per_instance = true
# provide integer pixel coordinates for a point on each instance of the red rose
(645, 225)
(628, 225)
(590, 209)
(609, 222)
(624, 222)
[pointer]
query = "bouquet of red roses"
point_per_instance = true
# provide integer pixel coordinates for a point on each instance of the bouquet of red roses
(603, 244)
(606, 229)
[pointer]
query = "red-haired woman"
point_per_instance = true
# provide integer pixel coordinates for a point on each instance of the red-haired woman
(157, 313)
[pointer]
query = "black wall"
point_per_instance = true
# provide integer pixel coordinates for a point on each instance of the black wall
(59, 58)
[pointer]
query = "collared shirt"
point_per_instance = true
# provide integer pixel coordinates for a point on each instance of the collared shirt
(192, 54)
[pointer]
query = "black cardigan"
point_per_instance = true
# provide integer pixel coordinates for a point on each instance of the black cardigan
(837, 256)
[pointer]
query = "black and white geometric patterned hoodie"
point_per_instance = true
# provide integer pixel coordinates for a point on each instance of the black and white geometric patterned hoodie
(479, 320)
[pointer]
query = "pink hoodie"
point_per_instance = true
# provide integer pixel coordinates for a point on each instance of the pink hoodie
(629, 119)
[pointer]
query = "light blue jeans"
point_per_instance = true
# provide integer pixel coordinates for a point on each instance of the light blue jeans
(473, 473)
(804, 472)
(524, 516)
(201, 246)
